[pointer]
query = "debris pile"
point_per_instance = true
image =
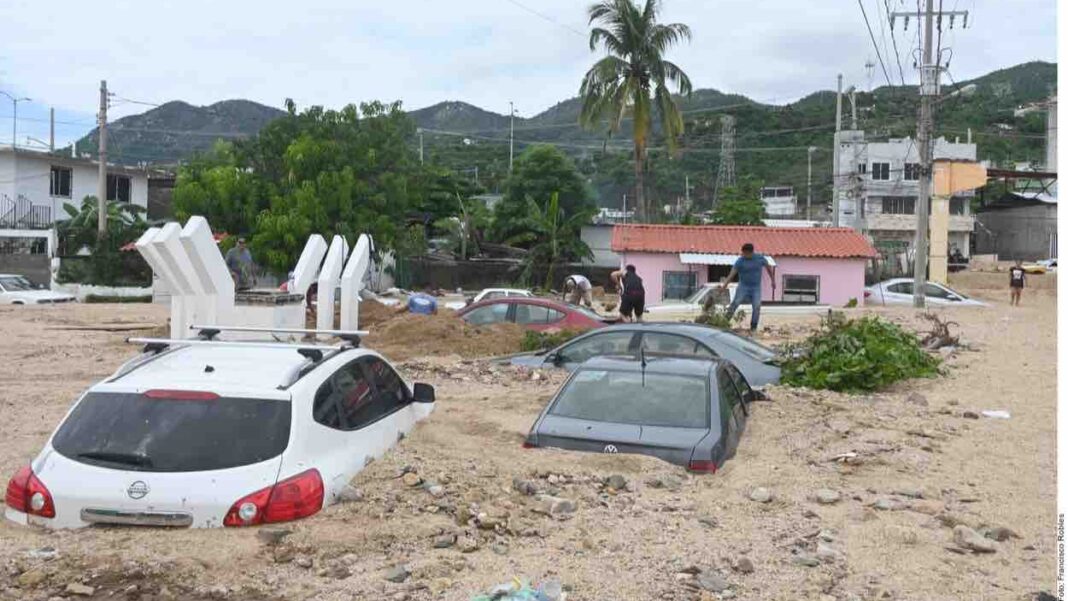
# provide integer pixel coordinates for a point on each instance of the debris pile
(408, 335)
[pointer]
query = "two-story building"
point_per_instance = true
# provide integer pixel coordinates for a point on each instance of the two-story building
(877, 190)
(34, 185)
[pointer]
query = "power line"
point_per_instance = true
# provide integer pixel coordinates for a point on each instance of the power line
(893, 38)
(548, 18)
(874, 43)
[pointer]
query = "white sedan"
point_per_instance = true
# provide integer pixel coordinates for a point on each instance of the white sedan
(17, 290)
(898, 291)
(210, 434)
(691, 306)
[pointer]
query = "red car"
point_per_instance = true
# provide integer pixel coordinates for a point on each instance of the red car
(532, 313)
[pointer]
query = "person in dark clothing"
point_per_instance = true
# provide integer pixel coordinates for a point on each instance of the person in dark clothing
(631, 293)
(1017, 275)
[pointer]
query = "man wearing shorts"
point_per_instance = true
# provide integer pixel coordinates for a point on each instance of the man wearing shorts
(578, 290)
(631, 293)
(1016, 283)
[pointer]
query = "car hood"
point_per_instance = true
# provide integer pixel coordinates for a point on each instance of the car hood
(39, 295)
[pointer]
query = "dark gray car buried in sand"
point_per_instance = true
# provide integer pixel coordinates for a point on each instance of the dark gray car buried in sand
(687, 411)
(754, 360)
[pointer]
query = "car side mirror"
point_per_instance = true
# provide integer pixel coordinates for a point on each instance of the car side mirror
(423, 393)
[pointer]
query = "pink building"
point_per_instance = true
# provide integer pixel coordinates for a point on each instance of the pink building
(811, 265)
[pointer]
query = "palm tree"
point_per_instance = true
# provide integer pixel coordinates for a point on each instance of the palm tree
(555, 237)
(633, 78)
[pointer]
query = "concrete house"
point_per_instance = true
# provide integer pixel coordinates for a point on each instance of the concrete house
(812, 265)
(34, 185)
(878, 187)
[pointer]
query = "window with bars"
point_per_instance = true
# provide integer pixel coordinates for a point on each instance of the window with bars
(118, 187)
(679, 284)
(899, 205)
(958, 206)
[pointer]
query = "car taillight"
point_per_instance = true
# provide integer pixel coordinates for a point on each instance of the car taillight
(529, 445)
(181, 395)
(291, 499)
(26, 493)
(704, 467)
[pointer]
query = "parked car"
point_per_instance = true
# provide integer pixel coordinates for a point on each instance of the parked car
(533, 313)
(490, 294)
(214, 434)
(693, 305)
(687, 411)
(898, 291)
(17, 290)
(753, 359)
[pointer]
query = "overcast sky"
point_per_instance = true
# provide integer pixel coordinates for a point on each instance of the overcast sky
(485, 52)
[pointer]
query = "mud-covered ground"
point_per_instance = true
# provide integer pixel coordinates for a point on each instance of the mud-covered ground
(906, 464)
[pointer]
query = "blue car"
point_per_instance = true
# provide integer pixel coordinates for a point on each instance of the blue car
(754, 360)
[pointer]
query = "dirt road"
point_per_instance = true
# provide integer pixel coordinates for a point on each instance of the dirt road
(920, 467)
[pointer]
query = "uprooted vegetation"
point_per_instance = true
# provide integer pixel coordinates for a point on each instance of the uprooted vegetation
(852, 355)
(939, 335)
(536, 341)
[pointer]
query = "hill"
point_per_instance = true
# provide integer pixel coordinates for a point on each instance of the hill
(176, 130)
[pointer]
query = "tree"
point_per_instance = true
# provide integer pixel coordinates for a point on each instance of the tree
(740, 205)
(125, 222)
(540, 171)
(553, 236)
(633, 79)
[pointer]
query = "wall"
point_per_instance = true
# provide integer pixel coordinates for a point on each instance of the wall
(599, 239)
(840, 279)
(1018, 233)
(34, 267)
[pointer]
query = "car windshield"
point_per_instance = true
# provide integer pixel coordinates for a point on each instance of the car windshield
(628, 397)
(16, 284)
(749, 347)
(134, 432)
(697, 297)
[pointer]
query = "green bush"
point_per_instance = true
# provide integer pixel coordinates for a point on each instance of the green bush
(536, 341)
(716, 316)
(856, 355)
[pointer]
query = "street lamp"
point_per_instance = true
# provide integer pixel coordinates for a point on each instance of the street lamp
(14, 115)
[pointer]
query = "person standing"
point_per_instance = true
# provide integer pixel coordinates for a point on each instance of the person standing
(749, 270)
(239, 262)
(578, 290)
(1017, 275)
(631, 293)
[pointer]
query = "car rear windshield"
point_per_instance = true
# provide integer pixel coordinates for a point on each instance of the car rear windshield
(668, 400)
(753, 349)
(133, 432)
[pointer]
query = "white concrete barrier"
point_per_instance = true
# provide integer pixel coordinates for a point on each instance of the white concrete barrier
(328, 280)
(352, 282)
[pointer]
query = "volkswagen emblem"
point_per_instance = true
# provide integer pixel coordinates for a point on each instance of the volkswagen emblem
(610, 448)
(137, 490)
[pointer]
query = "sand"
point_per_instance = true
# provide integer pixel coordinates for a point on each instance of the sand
(616, 545)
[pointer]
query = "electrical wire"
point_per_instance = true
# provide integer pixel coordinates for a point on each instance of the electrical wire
(878, 54)
(548, 18)
(893, 38)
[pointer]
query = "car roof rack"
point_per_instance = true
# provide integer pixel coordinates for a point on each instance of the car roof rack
(209, 332)
(164, 343)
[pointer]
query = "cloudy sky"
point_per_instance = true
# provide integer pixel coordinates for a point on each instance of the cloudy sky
(485, 52)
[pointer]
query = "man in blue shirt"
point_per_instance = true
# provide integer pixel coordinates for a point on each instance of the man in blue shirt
(748, 269)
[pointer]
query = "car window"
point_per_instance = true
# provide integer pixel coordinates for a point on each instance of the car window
(747, 345)
(673, 344)
(493, 295)
(934, 291)
(728, 398)
(536, 314)
(354, 395)
(16, 284)
(136, 432)
(391, 388)
(325, 408)
(490, 314)
(739, 381)
(608, 343)
(630, 397)
(900, 288)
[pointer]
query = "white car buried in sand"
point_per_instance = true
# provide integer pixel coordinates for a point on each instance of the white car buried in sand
(204, 433)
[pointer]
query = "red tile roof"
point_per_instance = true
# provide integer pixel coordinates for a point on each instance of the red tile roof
(831, 242)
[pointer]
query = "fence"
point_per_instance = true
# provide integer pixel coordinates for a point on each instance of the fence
(22, 214)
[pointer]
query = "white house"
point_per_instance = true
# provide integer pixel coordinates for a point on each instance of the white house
(34, 185)
(779, 201)
(878, 188)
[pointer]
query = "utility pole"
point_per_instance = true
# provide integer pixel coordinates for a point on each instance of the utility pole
(102, 157)
(511, 135)
(835, 168)
(420, 132)
(687, 191)
(51, 129)
(853, 106)
(930, 75)
(808, 201)
(15, 100)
